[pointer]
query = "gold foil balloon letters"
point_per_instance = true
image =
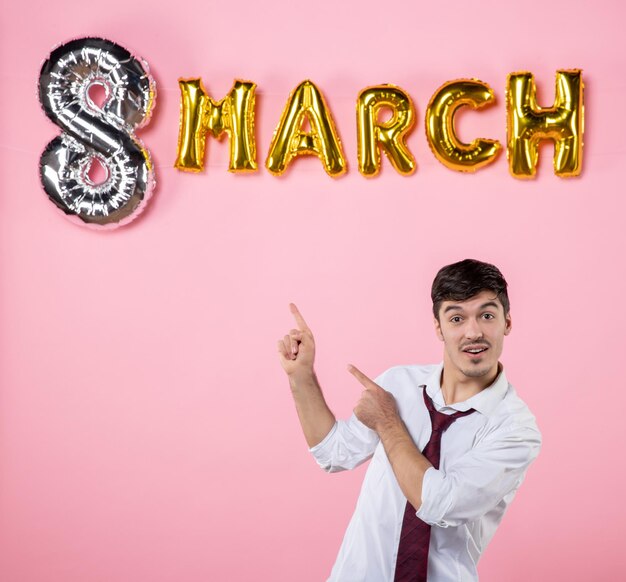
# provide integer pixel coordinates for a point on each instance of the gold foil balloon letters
(233, 116)
(528, 124)
(440, 131)
(373, 134)
(290, 141)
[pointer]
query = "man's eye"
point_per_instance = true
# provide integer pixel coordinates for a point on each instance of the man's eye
(455, 319)
(488, 316)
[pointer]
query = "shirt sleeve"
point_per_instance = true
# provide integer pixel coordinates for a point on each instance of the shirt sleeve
(348, 444)
(477, 482)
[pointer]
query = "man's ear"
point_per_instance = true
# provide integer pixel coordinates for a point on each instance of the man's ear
(508, 324)
(438, 328)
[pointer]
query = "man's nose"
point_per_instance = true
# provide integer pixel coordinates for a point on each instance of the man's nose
(473, 330)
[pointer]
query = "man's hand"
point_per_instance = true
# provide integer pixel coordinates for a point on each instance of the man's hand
(297, 348)
(377, 408)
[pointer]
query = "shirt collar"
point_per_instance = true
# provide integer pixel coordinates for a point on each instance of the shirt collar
(484, 402)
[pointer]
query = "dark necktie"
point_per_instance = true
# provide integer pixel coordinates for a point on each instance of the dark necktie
(412, 562)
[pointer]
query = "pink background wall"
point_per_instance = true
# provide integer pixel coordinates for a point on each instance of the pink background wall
(147, 432)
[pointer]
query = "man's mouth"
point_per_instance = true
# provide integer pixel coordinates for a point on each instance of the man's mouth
(475, 351)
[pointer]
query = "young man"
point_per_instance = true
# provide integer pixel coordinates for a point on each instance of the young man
(450, 443)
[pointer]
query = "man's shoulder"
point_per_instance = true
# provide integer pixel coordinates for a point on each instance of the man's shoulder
(514, 413)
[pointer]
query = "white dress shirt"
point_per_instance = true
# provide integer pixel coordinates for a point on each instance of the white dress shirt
(484, 457)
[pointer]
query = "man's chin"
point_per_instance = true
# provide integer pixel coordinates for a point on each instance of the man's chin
(477, 372)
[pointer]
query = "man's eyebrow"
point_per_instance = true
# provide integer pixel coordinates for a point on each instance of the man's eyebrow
(459, 308)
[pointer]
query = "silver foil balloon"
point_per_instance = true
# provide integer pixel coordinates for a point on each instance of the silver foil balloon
(91, 132)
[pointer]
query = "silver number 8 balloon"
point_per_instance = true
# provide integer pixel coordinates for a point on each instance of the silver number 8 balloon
(91, 132)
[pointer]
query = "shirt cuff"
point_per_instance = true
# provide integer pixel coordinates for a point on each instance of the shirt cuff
(322, 451)
(435, 502)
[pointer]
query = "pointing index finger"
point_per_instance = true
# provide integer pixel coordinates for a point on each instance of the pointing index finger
(361, 377)
(299, 319)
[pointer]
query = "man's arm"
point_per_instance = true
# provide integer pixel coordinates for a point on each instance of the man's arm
(297, 355)
(470, 487)
(377, 410)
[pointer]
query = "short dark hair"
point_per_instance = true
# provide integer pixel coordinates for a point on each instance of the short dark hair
(466, 279)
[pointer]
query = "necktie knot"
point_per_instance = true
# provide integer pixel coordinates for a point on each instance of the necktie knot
(440, 421)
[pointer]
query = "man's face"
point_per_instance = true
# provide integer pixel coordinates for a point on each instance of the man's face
(473, 333)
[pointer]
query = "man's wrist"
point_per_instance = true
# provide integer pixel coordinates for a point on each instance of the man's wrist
(302, 380)
(392, 430)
